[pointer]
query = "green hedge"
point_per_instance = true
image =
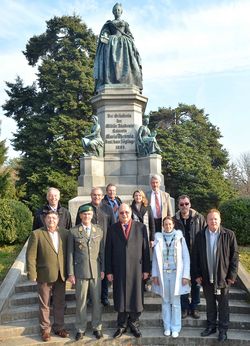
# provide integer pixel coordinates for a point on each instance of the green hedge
(235, 215)
(15, 221)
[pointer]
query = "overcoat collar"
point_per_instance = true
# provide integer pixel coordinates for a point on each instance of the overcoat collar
(121, 233)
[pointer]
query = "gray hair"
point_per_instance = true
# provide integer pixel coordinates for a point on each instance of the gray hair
(50, 189)
(156, 177)
(96, 188)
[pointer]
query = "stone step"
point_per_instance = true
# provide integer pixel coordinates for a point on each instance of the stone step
(147, 319)
(150, 304)
(28, 286)
(31, 297)
(150, 336)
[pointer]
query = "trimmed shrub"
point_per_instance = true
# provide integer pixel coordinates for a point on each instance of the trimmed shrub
(15, 221)
(235, 215)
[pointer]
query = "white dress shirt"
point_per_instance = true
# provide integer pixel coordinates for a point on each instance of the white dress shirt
(152, 203)
(55, 239)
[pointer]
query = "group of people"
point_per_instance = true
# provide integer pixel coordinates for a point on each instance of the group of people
(113, 242)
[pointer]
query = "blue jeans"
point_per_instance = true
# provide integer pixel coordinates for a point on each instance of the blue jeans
(195, 298)
(171, 304)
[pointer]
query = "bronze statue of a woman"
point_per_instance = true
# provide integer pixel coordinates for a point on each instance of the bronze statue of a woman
(117, 60)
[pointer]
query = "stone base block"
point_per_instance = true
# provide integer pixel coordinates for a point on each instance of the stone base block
(149, 165)
(122, 165)
(126, 171)
(92, 172)
(75, 203)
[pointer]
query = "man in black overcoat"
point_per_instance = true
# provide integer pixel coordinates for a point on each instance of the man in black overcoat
(127, 264)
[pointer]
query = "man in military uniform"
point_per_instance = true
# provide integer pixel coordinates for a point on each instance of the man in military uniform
(86, 270)
(104, 217)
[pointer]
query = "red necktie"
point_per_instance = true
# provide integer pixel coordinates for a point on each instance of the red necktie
(125, 227)
(157, 206)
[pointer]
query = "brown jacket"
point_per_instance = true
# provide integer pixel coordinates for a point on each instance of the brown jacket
(166, 206)
(43, 263)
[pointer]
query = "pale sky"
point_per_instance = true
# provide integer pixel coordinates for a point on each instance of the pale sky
(192, 51)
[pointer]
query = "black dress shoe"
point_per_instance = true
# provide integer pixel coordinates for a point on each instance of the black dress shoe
(136, 332)
(119, 332)
(222, 336)
(79, 336)
(208, 331)
(98, 334)
(105, 302)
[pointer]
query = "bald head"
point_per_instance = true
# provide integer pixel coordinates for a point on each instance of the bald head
(124, 213)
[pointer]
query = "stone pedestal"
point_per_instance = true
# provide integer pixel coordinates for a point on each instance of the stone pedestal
(91, 172)
(127, 175)
(119, 109)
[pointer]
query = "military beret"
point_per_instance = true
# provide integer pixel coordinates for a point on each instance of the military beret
(84, 208)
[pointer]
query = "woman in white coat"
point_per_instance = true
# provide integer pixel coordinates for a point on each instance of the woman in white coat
(170, 274)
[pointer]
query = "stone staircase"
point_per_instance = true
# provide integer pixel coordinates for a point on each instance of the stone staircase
(20, 325)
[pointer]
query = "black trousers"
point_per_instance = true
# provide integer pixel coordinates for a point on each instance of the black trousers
(130, 319)
(158, 225)
(195, 297)
(217, 304)
(105, 289)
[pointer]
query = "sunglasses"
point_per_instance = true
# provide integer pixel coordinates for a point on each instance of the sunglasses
(182, 204)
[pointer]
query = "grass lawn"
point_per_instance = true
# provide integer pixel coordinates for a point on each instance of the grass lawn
(245, 257)
(8, 254)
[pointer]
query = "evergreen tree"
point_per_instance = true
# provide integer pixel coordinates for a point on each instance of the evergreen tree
(194, 160)
(53, 114)
(7, 188)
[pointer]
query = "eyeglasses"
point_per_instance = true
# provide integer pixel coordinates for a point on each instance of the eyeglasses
(182, 204)
(123, 212)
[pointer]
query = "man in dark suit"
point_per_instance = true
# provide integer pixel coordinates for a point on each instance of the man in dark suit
(190, 222)
(216, 260)
(112, 199)
(46, 264)
(104, 217)
(159, 201)
(127, 264)
(86, 269)
(53, 203)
